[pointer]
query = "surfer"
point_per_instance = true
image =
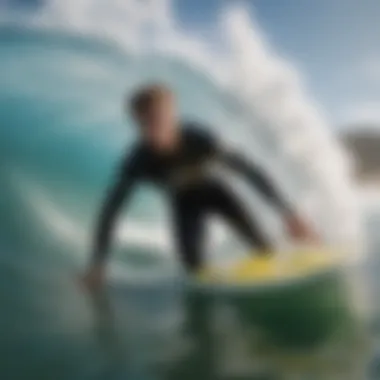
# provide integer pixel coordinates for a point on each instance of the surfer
(177, 156)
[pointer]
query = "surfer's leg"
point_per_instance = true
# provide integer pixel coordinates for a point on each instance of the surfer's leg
(189, 231)
(227, 204)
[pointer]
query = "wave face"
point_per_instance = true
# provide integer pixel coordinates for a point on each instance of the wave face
(62, 80)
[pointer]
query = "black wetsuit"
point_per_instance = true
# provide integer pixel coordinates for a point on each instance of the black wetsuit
(193, 192)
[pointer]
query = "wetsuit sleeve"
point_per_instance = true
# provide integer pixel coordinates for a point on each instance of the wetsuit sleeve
(255, 175)
(118, 194)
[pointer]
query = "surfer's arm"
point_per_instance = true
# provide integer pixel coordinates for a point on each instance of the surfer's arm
(296, 226)
(118, 194)
(256, 177)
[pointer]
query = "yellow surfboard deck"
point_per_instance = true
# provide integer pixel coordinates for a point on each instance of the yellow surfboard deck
(271, 268)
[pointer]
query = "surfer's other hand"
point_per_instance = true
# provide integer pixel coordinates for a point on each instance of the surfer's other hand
(300, 230)
(93, 279)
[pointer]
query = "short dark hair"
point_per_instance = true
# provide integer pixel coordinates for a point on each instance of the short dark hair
(146, 96)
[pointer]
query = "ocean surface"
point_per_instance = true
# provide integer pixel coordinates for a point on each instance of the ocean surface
(62, 132)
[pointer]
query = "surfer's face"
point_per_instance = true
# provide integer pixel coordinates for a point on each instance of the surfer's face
(158, 124)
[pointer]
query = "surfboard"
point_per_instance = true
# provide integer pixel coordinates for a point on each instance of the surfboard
(297, 298)
(260, 268)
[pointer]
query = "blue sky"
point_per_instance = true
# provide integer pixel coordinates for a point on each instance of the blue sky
(334, 43)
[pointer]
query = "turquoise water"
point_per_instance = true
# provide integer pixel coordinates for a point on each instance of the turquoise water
(62, 131)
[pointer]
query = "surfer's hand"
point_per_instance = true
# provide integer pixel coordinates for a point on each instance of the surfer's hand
(93, 279)
(300, 230)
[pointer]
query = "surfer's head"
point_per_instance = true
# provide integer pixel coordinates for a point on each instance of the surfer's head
(153, 107)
